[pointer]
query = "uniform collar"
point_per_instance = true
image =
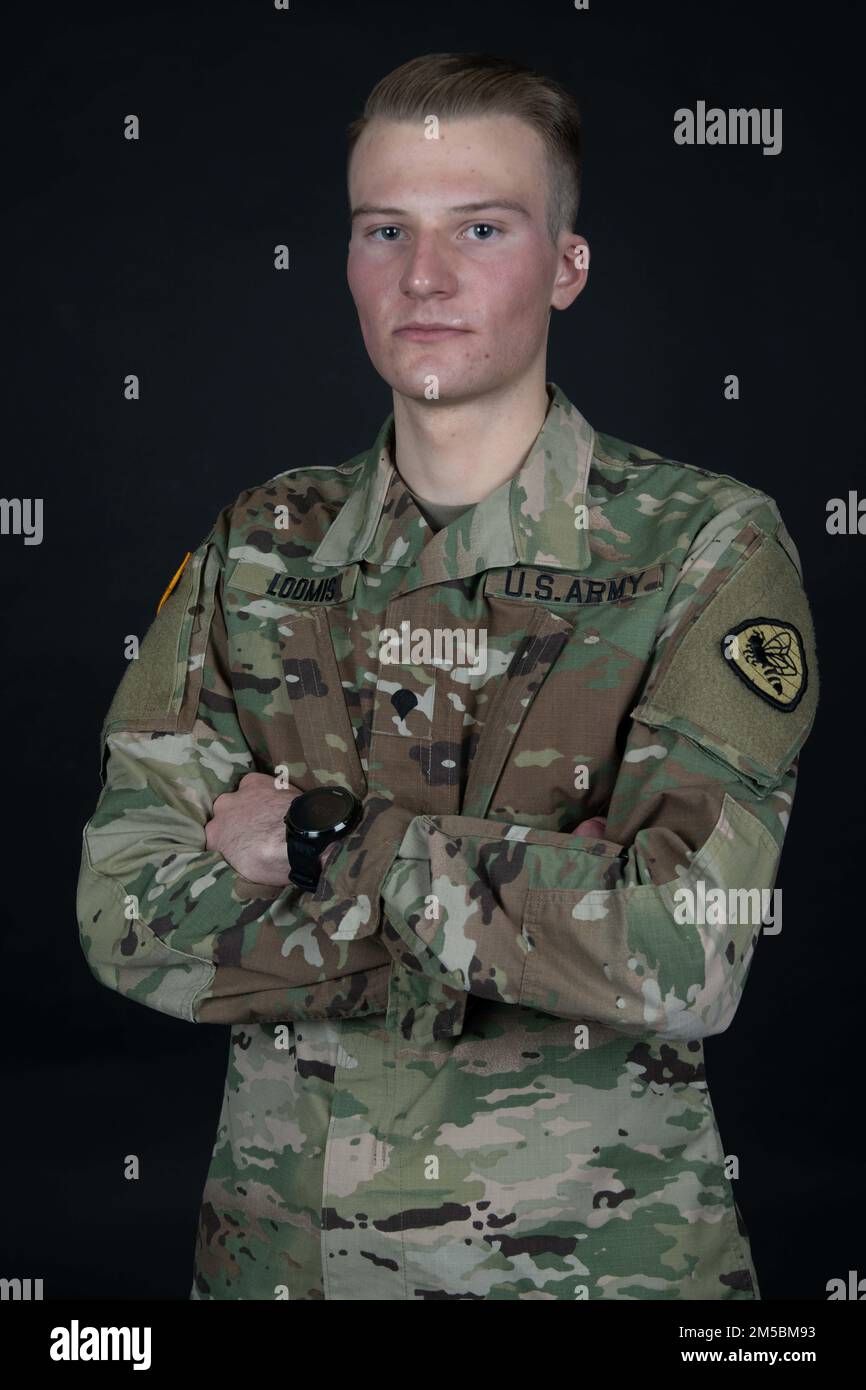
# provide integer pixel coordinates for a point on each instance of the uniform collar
(529, 519)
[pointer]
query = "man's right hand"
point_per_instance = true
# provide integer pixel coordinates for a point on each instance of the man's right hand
(594, 829)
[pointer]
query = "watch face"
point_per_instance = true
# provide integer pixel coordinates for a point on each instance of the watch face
(321, 810)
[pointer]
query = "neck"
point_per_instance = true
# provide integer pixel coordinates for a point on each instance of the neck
(462, 452)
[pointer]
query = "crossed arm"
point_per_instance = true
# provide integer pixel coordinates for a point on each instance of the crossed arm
(247, 829)
(184, 902)
(183, 898)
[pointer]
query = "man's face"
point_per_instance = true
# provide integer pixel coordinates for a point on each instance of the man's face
(434, 248)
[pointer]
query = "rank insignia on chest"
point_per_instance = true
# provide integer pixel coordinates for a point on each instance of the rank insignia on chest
(529, 582)
(768, 656)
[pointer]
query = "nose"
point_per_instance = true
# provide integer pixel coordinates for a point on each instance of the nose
(427, 270)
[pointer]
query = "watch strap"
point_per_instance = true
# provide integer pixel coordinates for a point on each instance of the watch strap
(304, 863)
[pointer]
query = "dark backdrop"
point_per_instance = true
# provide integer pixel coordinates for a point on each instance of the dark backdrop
(155, 257)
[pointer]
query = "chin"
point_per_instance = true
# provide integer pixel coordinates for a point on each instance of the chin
(454, 384)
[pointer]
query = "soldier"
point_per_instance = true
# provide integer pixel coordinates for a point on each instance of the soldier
(455, 778)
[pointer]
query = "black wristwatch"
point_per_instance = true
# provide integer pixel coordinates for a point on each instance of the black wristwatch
(313, 821)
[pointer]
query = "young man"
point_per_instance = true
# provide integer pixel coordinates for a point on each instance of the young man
(536, 699)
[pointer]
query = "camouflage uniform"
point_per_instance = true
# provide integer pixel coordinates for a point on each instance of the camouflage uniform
(471, 1064)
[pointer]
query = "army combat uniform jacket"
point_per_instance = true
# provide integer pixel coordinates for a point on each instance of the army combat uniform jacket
(470, 1064)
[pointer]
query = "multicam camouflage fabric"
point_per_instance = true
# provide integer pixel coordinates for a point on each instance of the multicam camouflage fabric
(470, 1066)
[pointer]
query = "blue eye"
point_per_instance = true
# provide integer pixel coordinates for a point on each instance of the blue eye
(489, 227)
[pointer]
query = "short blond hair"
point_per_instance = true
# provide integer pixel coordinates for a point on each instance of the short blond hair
(464, 85)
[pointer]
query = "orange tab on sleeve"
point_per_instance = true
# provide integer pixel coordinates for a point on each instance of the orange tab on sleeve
(174, 580)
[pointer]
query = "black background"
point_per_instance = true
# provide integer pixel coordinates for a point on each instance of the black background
(156, 257)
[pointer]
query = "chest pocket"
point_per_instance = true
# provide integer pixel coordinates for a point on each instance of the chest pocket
(565, 724)
(284, 671)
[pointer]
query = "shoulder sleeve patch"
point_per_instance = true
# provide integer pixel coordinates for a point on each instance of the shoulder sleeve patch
(743, 679)
(155, 689)
(769, 654)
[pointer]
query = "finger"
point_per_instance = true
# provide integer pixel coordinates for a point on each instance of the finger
(592, 828)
